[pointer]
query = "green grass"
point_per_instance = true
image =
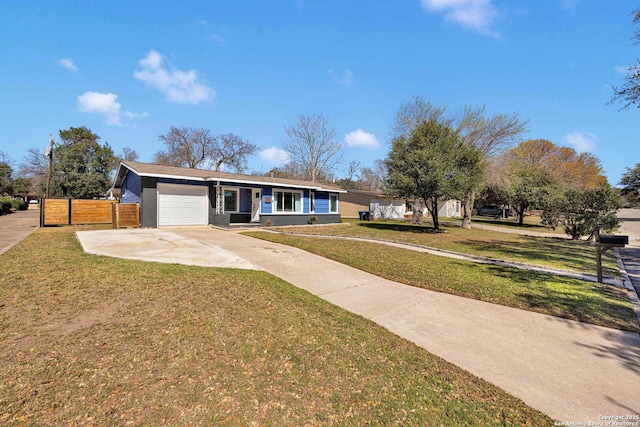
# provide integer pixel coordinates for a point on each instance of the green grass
(90, 340)
(531, 223)
(550, 252)
(543, 293)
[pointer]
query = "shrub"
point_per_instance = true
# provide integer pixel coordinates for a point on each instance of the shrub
(5, 205)
(582, 212)
(19, 205)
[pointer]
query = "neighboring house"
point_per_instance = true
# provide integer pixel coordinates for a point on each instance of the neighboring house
(381, 206)
(450, 209)
(171, 195)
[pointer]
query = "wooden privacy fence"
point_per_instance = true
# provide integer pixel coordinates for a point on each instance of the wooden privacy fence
(126, 215)
(75, 211)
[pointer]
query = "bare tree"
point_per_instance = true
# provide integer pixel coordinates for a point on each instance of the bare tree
(5, 158)
(189, 147)
(414, 112)
(372, 178)
(231, 151)
(352, 169)
(493, 136)
(34, 167)
(129, 154)
(629, 92)
(311, 144)
(186, 147)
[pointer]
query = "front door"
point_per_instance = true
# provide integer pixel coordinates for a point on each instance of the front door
(256, 200)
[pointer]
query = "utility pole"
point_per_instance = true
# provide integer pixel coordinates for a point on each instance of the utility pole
(49, 152)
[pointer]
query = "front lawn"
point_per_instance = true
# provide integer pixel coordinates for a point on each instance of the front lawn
(91, 340)
(574, 299)
(551, 252)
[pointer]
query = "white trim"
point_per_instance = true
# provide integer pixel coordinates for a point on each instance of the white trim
(312, 201)
(337, 211)
(287, 190)
(318, 187)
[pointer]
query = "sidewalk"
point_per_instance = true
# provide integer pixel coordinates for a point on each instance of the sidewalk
(466, 257)
(572, 371)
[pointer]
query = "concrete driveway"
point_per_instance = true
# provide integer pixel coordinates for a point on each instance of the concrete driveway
(572, 371)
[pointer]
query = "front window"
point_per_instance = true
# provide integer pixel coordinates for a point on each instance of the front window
(287, 201)
(333, 203)
(312, 201)
(230, 200)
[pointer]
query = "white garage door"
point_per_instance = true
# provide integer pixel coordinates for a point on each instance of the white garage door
(182, 204)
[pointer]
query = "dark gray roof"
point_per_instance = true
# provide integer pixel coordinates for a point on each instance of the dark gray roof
(147, 169)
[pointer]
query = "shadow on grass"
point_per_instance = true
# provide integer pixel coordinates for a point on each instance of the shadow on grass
(541, 251)
(407, 228)
(507, 223)
(566, 298)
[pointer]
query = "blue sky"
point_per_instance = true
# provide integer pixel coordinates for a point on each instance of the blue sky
(129, 70)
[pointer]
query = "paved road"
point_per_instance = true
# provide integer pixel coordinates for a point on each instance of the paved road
(16, 226)
(630, 255)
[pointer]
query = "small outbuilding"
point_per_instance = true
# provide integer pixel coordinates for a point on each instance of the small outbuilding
(172, 196)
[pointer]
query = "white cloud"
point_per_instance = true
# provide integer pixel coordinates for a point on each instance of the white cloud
(621, 69)
(275, 156)
(582, 141)
(106, 105)
(477, 15)
(361, 139)
(132, 115)
(345, 78)
(68, 64)
(569, 4)
(177, 85)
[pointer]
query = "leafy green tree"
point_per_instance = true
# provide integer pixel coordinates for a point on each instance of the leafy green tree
(631, 182)
(491, 134)
(432, 163)
(82, 166)
(22, 185)
(6, 181)
(582, 212)
(532, 188)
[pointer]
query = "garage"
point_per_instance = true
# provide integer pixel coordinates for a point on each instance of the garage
(182, 204)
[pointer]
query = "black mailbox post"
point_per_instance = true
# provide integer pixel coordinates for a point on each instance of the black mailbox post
(604, 242)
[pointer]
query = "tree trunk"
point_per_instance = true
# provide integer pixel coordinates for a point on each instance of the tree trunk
(418, 207)
(521, 214)
(467, 209)
(434, 213)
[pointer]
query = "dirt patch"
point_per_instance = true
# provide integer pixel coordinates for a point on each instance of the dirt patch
(60, 323)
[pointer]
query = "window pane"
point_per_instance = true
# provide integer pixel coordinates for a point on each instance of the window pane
(288, 202)
(333, 203)
(298, 202)
(230, 200)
